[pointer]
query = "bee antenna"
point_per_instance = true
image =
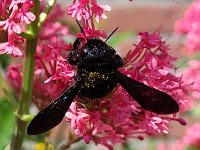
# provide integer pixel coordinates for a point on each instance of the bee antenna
(81, 28)
(111, 34)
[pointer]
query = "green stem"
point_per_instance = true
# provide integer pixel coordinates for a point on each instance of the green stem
(7, 90)
(43, 15)
(26, 95)
(27, 84)
(31, 36)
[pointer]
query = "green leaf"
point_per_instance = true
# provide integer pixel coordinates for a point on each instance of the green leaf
(6, 122)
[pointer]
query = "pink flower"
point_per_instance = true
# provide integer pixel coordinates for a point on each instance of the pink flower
(15, 3)
(14, 15)
(18, 15)
(189, 26)
(98, 10)
(154, 124)
(192, 136)
(10, 25)
(79, 10)
(79, 122)
(11, 47)
(14, 77)
(53, 29)
(91, 33)
(52, 73)
(85, 10)
(56, 70)
(191, 77)
(25, 15)
(2, 8)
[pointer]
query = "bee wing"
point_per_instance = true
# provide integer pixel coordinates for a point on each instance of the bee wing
(53, 114)
(147, 97)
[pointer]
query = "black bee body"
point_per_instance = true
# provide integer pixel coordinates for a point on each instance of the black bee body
(96, 82)
(96, 76)
(97, 65)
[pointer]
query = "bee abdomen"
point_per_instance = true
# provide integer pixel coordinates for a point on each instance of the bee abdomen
(97, 83)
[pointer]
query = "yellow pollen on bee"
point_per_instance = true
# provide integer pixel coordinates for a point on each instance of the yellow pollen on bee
(92, 77)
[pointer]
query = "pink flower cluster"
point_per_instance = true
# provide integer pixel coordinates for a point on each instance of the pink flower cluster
(85, 10)
(112, 120)
(192, 136)
(52, 72)
(14, 15)
(192, 78)
(189, 26)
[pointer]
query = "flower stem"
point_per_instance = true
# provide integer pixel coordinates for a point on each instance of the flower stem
(7, 90)
(26, 95)
(43, 15)
(27, 84)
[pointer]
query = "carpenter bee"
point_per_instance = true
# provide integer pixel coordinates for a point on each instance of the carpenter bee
(96, 76)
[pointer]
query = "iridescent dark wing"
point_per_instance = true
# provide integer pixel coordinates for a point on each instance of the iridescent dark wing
(147, 97)
(53, 114)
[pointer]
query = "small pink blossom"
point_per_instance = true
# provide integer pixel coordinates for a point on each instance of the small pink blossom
(25, 15)
(85, 10)
(53, 29)
(14, 77)
(57, 71)
(192, 136)
(19, 14)
(154, 124)
(15, 14)
(98, 10)
(79, 120)
(10, 25)
(79, 10)
(15, 3)
(90, 33)
(2, 8)
(11, 47)
(190, 75)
